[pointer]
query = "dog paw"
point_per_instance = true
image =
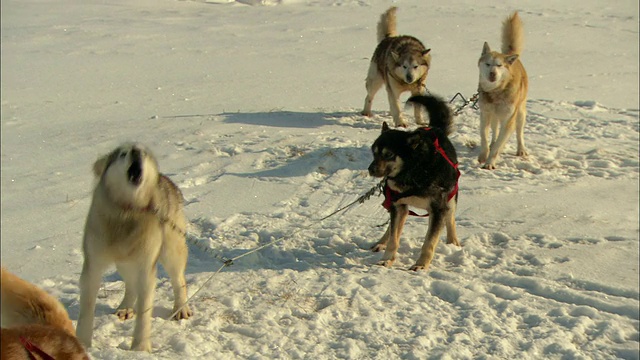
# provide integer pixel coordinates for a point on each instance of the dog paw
(522, 152)
(488, 166)
(125, 314)
(184, 313)
(141, 345)
(366, 113)
(453, 241)
(483, 157)
(378, 247)
(417, 267)
(385, 263)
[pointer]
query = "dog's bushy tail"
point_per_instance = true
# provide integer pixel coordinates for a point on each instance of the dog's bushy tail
(512, 35)
(440, 116)
(387, 24)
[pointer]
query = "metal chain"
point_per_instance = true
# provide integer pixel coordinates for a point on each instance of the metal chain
(379, 188)
(473, 101)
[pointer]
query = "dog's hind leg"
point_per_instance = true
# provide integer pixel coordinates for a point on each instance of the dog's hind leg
(173, 258)
(436, 223)
(373, 83)
(520, 121)
(398, 217)
(90, 280)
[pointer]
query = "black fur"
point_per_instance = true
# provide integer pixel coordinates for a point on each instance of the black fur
(425, 172)
(440, 116)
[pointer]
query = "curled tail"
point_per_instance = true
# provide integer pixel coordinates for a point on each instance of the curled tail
(512, 35)
(387, 24)
(440, 116)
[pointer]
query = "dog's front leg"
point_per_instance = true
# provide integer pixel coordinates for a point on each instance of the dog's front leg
(484, 134)
(436, 223)
(125, 309)
(393, 92)
(398, 217)
(90, 279)
(506, 129)
(382, 243)
(146, 283)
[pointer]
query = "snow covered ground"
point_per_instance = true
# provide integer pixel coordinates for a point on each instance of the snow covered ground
(253, 110)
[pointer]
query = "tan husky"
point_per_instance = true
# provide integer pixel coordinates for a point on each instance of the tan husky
(135, 220)
(401, 63)
(502, 88)
(34, 324)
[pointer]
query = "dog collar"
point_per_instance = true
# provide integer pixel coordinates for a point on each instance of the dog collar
(391, 196)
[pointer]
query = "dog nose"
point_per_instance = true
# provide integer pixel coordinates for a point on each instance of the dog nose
(409, 78)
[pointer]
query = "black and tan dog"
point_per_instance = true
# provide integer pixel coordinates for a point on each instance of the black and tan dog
(421, 171)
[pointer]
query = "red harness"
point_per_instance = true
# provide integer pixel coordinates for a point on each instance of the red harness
(32, 348)
(391, 196)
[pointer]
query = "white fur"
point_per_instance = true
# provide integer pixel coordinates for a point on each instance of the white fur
(122, 229)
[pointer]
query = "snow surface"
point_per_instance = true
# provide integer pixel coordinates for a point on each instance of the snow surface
(254, 112)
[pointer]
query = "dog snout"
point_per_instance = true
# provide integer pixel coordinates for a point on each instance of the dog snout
(371, 169)
(492, 76)
(136, 155)
(409, 78)
(375, 170)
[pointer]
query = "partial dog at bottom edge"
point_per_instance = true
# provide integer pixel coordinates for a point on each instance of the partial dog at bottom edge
(34, 324)
(421, 170)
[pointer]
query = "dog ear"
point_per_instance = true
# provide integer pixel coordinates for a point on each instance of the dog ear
(511, 58)
(395, 56)
(385, 127)
(100, 165)
(486, 49)
(426, 52)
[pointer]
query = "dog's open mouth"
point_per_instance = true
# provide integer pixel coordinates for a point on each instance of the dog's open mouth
(134, 173)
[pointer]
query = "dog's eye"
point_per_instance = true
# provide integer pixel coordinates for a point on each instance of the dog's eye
(123, 155)
(388, 155)
(415, 66)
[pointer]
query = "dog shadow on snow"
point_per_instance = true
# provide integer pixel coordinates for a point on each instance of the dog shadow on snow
(298, 161)
(306, 120)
